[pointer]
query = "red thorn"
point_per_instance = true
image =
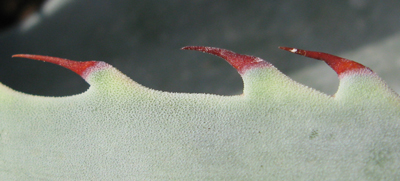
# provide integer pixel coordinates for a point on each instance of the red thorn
(77, 67)
(238, 61)
(338, 64)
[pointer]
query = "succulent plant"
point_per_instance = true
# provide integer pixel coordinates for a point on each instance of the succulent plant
(277, 129)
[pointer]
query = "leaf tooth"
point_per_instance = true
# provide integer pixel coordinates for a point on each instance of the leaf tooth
(240, 62)
(340, 65)
(81, 68)
(358, 83)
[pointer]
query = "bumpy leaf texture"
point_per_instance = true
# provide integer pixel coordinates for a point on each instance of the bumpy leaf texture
(277, 129)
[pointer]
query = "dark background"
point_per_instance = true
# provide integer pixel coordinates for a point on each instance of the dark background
(143, 39)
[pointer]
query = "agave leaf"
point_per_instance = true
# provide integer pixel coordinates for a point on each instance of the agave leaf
(277, 129)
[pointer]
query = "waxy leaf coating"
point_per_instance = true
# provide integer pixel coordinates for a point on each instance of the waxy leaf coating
(277, 129)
